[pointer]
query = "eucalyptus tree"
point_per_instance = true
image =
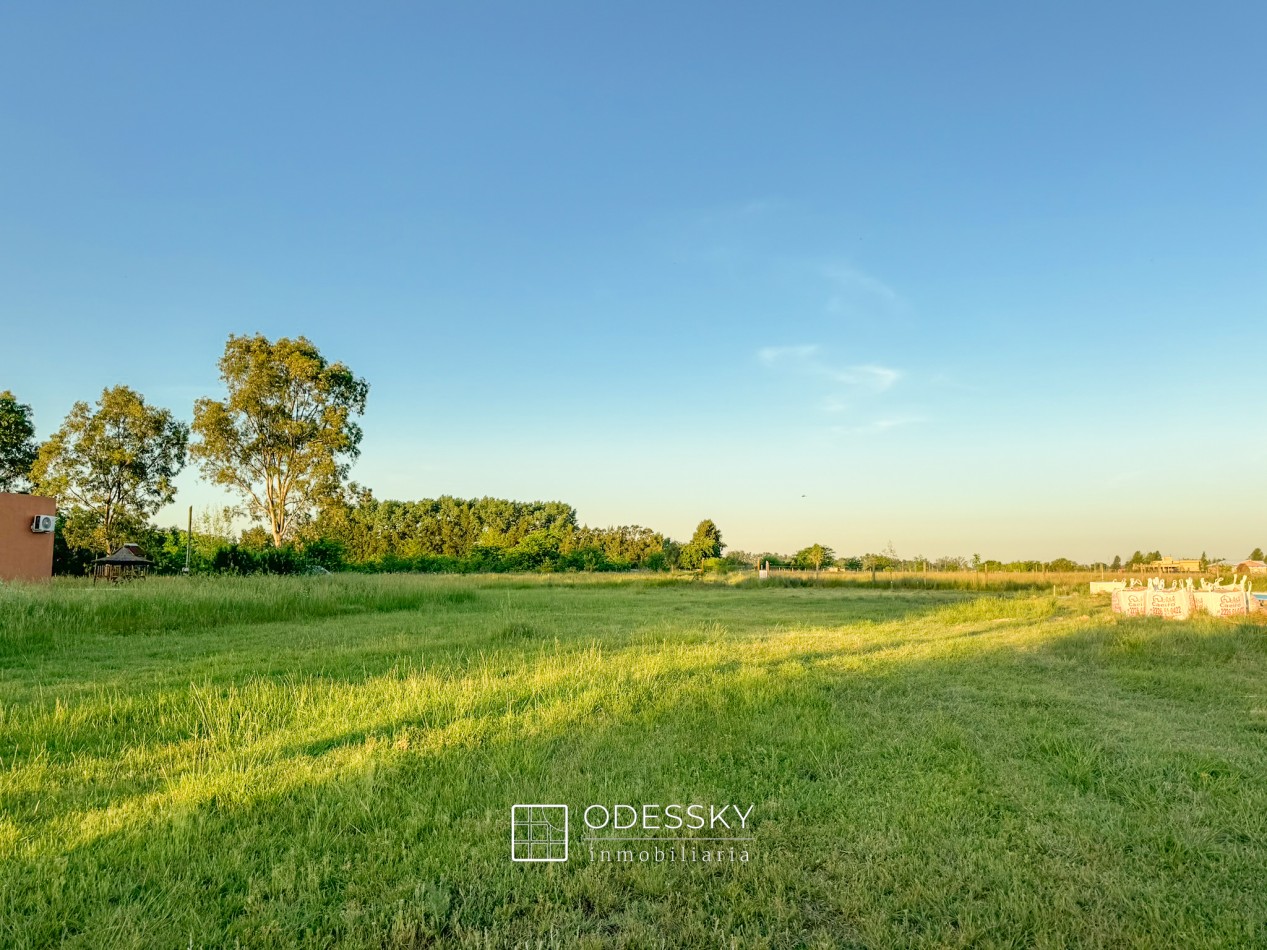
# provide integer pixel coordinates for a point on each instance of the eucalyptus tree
(285, 436)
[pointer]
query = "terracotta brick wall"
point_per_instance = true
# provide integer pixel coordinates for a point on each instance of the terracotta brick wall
(25, 555)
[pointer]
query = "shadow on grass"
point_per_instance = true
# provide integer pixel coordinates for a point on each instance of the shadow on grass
(1020, 792)
(430, 621)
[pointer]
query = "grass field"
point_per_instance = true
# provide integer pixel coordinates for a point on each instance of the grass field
(331, 762)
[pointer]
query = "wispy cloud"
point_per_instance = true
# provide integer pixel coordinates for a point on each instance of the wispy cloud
(848, 277)
(878, 425)
(797, 354)
(946, 381)
(835, 404)
(852, 392)
(852, 290)
(808, 360)
(878, 378)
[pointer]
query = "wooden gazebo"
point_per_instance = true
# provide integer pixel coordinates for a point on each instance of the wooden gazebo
(126, 563)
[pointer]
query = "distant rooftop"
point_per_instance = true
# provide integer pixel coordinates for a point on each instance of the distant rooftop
(129, 555)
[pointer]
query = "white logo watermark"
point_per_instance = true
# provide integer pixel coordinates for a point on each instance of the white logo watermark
(622, 833)
(539, 833)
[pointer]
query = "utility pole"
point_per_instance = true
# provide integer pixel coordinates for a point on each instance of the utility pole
(189, 539)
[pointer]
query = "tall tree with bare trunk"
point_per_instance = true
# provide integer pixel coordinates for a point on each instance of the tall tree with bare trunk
(285, 436)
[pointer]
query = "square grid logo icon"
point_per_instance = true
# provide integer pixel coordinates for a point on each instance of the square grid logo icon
(539, 833)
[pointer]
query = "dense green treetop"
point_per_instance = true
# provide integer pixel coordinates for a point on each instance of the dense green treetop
(816, 556)
(113, 466)
(370, 530)
(17, 443)
(705, 543)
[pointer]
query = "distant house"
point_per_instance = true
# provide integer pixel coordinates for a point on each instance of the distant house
(1251, 567)
(1170, 565)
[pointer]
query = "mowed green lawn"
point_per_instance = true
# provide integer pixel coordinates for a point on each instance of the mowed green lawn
(331, 762)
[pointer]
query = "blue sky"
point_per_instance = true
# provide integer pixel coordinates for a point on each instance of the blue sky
(975, 277)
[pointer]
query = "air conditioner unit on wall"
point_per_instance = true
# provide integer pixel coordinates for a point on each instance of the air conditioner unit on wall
(43, 524)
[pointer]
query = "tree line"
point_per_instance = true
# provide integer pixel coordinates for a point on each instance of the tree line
(282, 440)
(818, 556)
